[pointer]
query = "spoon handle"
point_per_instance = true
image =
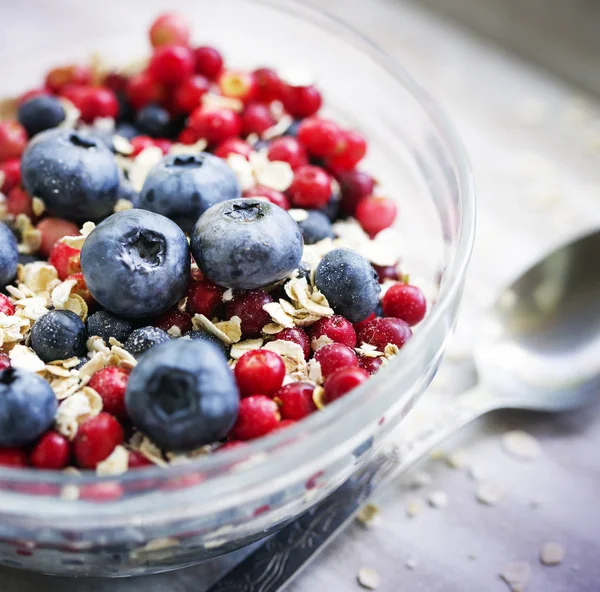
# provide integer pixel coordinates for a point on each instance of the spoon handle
(272, 565)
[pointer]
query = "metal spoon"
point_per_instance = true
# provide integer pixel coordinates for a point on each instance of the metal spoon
(538, 348)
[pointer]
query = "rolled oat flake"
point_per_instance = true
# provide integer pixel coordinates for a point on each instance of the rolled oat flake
(368, 578)
(516, 575)
(552, 553)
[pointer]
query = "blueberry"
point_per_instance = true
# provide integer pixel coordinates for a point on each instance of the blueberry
(27, 407)
(183, 187)
(349, 283)
(126, 191)
(315, 227)
(261, 145)
(105, 325)
(74, 173)
(182, 394)
(9, 255)
(246, 244)
(332, 209)
(41, 113)
(304, 270)
(58, 335)
(293, 129)
(127, 130)
(126, 111)
(136, 263)
(154, 121)
(25, 258)
(144, 338)
(208, 337)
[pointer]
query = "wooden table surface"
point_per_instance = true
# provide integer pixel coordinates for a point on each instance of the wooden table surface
(535, 150)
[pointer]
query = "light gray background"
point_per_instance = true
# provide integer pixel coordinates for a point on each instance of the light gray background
(536, 158)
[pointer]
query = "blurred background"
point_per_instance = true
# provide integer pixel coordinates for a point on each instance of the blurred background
(521, 80)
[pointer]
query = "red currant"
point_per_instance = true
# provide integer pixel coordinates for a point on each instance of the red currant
(187, 136)
(321, 137)
(204, 297)
(337, 328)
(284, 423)
(96, 439)
(81, 289)
(140, 143)
(405, 302)
(110, 383)
(358, 326)
(375, 214)
(174, 318)
(171, 64)
(13, 457)
(343, 381)
(380, 332)
(4, 358)
(311, 187)
(233, 146)
(6, 306)
(13, 139)
(188, 95)
(10, 171)
(142, 90)
(18, 201)
(269, 85)
(65, 260)
(52, 451)
(238, 85)
(274, 196)
(355, 186)
(288, 150)
(257, 416)
(163, 144)
(169, 28)
(259, 371)
(352, 150)
(52, 230)
(215, 125)
(256, 119)
(61, 76)
(300, 101)
(386, 272)
(369, 364)
(209, 61)
(97, 101)
(334, 356)
(295, 400)
(248, 306)
(298, 336)
(115, 81)
(137, 460)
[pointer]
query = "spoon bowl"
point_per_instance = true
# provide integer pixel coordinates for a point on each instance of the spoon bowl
(539, 346)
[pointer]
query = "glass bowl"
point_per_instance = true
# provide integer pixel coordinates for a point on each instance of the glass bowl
(157, 519)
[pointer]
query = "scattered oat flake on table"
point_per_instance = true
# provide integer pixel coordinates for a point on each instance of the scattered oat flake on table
(438, 499)
(552, 553)
(413, 508)
(516, 575)
(521, 445)
(368, 515)
(411, 563)
(420, 479)
(368, 578)
(456, 459)
(489, 493)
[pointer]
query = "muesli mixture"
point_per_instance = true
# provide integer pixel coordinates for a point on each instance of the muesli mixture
(190, 259)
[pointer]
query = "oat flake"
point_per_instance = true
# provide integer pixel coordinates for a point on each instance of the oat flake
(116, 463)
(552, 553)
(24, 358)
(413, 508)
(489, 493)
(521, 445)
(38, 206)
(420, 479)
(437, 499)
(368, 578)
(76, 409)
(242, 347)
(411, 563)
(368, 515)
(516, 575)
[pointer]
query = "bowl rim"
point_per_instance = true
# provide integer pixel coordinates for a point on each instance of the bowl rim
(258, 451)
